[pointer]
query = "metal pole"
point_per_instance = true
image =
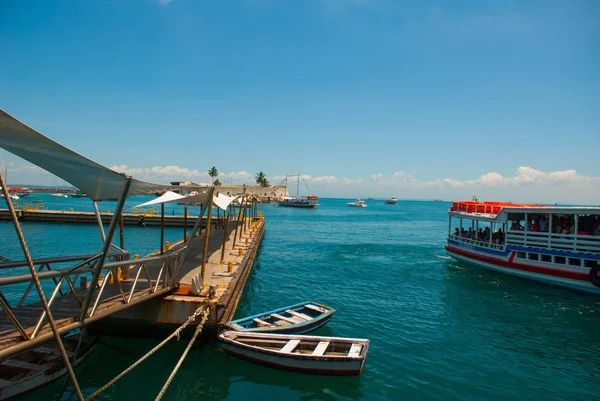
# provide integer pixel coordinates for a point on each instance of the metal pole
(99, 220)
(40, 291)
(195, 229)
(206, 236)
(100, 263)
(162, 228)
(224, 237)
(184, 224)
(122, 232)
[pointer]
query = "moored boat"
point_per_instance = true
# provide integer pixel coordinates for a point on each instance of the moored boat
(302, 354)
(357, 203)
(553, 245)
(391, 201)
(30, 369)
(301, 202)
(60, 195)
(295, 319)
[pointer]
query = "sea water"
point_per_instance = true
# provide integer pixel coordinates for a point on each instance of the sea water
(439, 329)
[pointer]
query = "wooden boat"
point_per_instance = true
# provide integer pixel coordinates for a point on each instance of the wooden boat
(302, 354)
(295, 319)
(30, 369)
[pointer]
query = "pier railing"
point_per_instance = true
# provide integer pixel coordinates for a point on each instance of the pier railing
(123, 282)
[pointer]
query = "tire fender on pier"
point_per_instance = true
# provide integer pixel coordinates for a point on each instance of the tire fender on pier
(594, 273)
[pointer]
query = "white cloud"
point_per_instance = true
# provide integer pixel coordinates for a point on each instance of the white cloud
(329, 179)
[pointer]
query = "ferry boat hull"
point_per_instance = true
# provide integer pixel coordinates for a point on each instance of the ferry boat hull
(564, 254)
(578, 281)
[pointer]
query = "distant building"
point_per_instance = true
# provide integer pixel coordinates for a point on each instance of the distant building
(265, 194)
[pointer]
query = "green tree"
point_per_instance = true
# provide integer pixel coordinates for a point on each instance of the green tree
(217, 183)
(261, 180)
(213, 173)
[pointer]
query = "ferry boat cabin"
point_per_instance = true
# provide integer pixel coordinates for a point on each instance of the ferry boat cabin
(554, 245)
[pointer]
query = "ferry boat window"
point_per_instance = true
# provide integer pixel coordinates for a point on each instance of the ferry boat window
(533, 256)
(574, 262)
(521, 255)
(546, 258)
(516, 221)
(560, 260)
(589, 263)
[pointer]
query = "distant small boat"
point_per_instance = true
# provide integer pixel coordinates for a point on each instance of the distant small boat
(391, 201)
(79, 194)
(438, 200)
(11, 196)
(295, 319)
(60, 195)
(357, 203)
(30, 369)
(302, 354)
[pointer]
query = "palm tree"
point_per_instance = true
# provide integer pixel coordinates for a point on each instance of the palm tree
(213, 173)
(217, 183)
(261, 180)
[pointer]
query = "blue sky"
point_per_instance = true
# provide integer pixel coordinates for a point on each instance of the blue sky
(365, 97)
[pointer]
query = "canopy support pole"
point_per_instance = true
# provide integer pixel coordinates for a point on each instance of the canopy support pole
(206, 237)
(107, 243)
(197, 226)
(185, 224)
(40, 291)
(162, 228)
(99, 220)
(224, 238)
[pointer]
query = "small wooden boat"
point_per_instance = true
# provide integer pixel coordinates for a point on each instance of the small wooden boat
(295, 319)
(302, 354)
(30, 369)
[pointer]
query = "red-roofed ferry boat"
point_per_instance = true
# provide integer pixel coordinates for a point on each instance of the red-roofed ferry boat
(551, 244)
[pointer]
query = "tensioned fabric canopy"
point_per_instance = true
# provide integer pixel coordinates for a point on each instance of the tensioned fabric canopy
(97, 181)
(168, 196)
(221, 201)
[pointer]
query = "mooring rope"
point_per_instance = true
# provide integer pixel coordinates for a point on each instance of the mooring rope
(201, 310)
(187, 349)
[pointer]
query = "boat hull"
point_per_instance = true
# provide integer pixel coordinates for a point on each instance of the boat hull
(301, 327)
(294, 362)
(31, 383)
(503, 262)
(307, 366)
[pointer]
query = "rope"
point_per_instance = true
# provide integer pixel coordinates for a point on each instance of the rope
(153, 350)
(187, 349)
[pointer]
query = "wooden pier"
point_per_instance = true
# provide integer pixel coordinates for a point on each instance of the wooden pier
(135, 301)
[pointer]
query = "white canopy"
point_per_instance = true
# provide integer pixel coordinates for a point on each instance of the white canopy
(223, 201)
(168, 196)
(97, 181)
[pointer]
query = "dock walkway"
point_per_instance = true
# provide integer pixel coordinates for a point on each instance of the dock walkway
(149, 282)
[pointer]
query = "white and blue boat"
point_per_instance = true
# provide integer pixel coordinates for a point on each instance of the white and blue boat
(295, 319)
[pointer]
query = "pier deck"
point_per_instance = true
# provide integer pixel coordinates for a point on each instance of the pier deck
(147, 298)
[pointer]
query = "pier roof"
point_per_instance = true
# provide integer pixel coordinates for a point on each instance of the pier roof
(97, 181)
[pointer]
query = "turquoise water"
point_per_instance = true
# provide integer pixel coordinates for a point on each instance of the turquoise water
(438, 329)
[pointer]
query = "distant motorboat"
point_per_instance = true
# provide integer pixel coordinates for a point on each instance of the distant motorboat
(391, 201)
(357, 203)
(438, 200)
(11, 196)
(60, 195)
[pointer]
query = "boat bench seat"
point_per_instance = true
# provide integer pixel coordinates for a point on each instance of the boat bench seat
(355, 350)
(321, 348)
(289, 347)
(261, 322)
(314, 307)
(298, 314)
(23, 365)
(286, 319)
